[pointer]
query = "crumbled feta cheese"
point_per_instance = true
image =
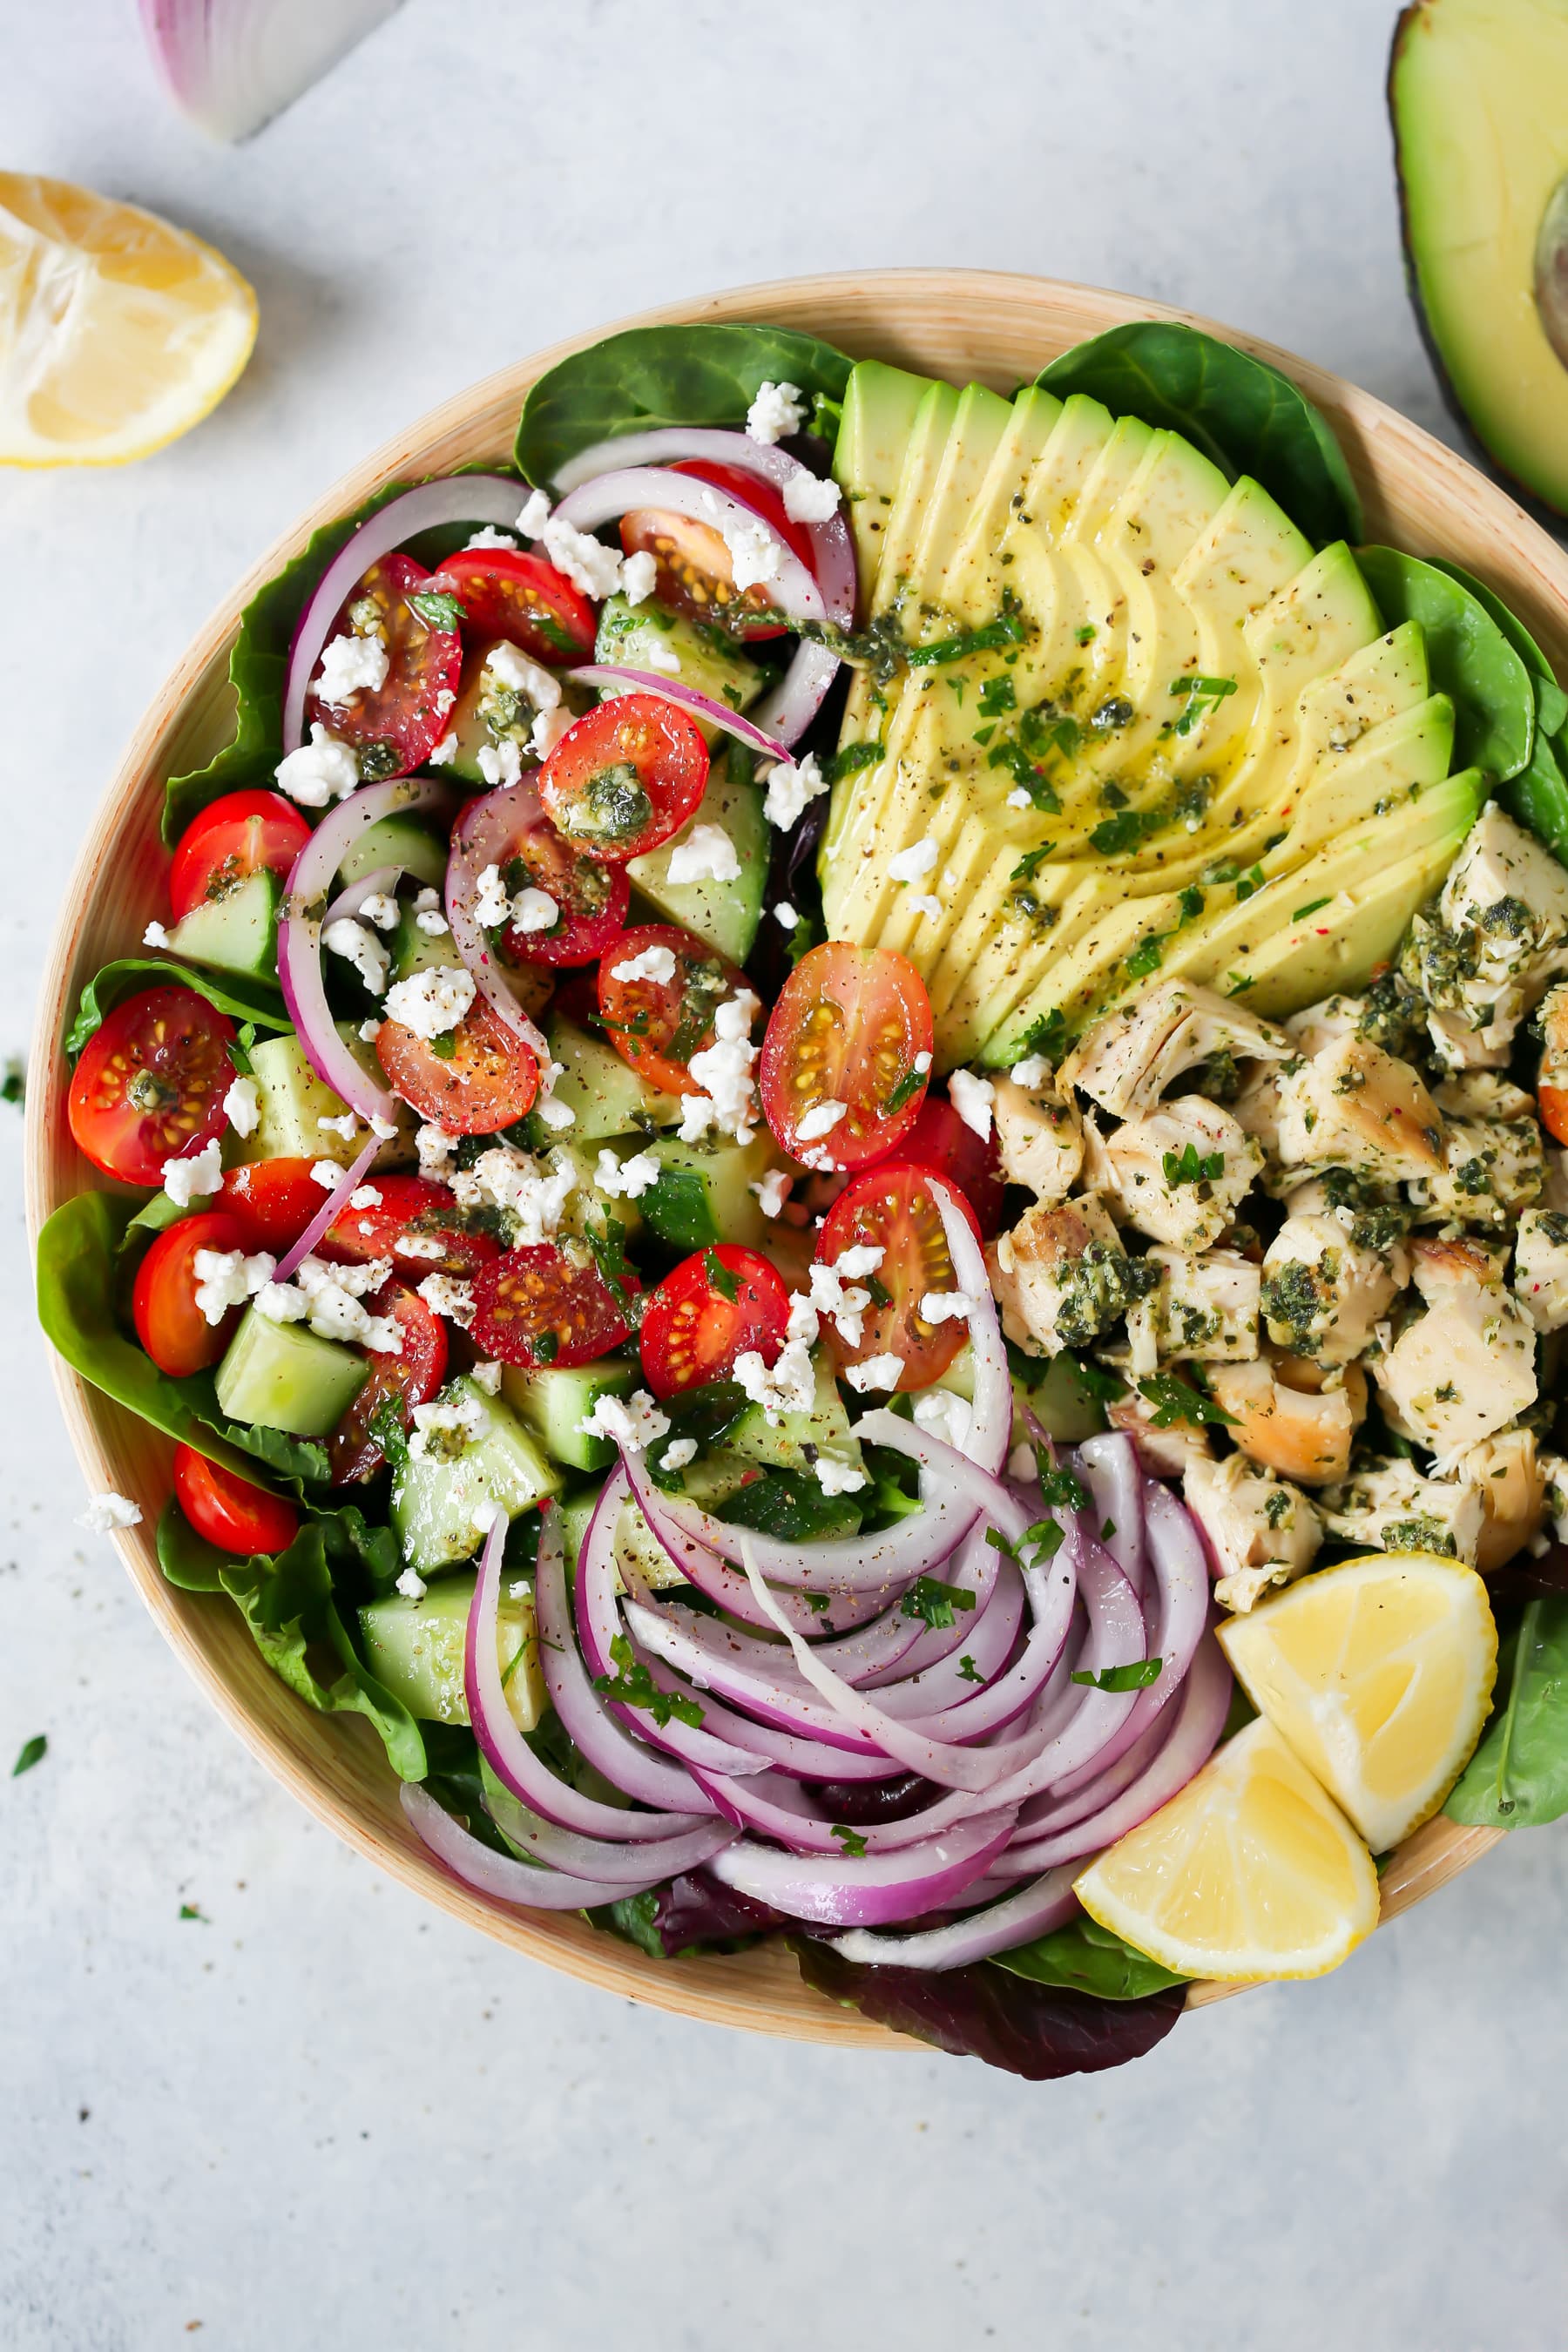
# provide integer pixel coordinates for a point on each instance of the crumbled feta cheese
(791, 785)
(351, 666)
(104, 1513)
(547, 728)
(427, 1246)
(971, 1097)
(500, 763)
(361, 948)
(1031, 1072)
(922, 1063)
(279, 1302)
(319, 772)
(874, 1372)
(484, 1515)
(534, 1196)
(948, 1417)
(427, 915)
(593, 568)
(789, 1385)
(914, 864)
(662, 658)
(706, 854)
(534, 910)
(855, 1264)
(639, 573)
(836, 1477)
(785, 916)
(242, 1107)
(446, 1426)
(444, 751)
(925, 907)
(679, 1455)
(411, 1584)
(844, 1302)
(383, 1130)
(369, 1031)
(772, 1192)
(328, 1298)
(365, 1196)
(488, 537)
(557, 1115)
(654, 963)
(345, 1124)
(488, 1376)
(492, 903)
(632, 1425)
(807, 498)
(819, 1121)
(1019, 798)
(535, 514)
(154, 936)
(227, 1278)
(511, 668)
(382, 910)
(327, 1173)
(194, 1178)
(449, 1295)
(435, 1149)
(756, 552)
(947, 1306)
(724, 1070)
(625, 1180)
(433, 1001)
(777, 410)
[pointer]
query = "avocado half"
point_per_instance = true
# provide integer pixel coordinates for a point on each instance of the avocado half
(1478, 92)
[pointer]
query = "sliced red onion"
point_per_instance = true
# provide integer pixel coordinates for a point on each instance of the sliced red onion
(1043, 1815)
(300, 936)
(497, 1875)
(503, 1746)
(599, 1858)
(1109, 1469)
(700, 1650)
(347, 904)
(990, 1415)
(987, 1640)
(459, 498)
(729, 1587)
(483, 837)
(972, 1569)
(599, 675)
(1032, 1910)
(868, 1891)
(333, 1206)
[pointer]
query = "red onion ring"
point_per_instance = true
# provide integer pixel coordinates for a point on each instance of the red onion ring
(1111, 1469)
(347, 904)
(482, 836)
(599, 675)
(599, 1858)
(331, 1208)
(990, 1415)
(865, 1891)
(458, 498)
(497, 1875)
(1033, 1910)
(696, 1649)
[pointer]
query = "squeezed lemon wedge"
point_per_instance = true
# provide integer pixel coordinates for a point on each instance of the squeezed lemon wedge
(1250, 1872)
(117, 331)
(1380, 1674)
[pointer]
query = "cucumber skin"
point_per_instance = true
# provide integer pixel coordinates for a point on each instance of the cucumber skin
(236, 932)
(283, 1376)
(552, 1402)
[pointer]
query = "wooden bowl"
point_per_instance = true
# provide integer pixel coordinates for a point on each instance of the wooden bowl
(955, 323)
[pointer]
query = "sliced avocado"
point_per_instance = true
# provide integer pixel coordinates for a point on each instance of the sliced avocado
(1480, 134)
(395, 841)
(702, 1197)
(723, 915)
(555, 1401)
(284, 1376)
(237, 931)
(708, 660)
(436, 1494)
(416, 1648)
(880, 403)
(796, 1438)
(294, 1102)
(605, 1094)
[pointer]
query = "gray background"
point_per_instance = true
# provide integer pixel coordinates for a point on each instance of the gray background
(327, 2115)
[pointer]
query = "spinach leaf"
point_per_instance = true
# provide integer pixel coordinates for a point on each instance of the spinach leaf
(1518, 1777)
(677, 1208)
(791, 1505)
(1243, 414)
(1471, 659)
(1551, 702)
(242, 1000)
(77, 1251)
(652, 376)
(1538, 796)
(1087, 1958)
(1040, 2032)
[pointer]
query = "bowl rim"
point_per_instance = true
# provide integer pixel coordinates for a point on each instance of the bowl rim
(733, 1990)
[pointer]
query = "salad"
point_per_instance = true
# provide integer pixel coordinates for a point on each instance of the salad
(841, 1168)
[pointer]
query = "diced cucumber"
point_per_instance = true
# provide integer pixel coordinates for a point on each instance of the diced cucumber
(416, 1648)
(605, 1093)
(825, 1428)
(1059, 1402)
(702, 1197)
(711, 662)
(723, 915)
(285, 1376)
(395, 841)
(237, 931)
(486, 713)
(415, 950)
(436, 1495)
(294, 1102)
(576, 1513)
(554, 1400)
(638, 1552)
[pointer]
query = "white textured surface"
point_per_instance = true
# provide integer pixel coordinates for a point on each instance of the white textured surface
(328, 2117)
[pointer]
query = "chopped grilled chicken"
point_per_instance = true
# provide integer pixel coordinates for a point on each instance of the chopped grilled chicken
(1552, 1083)
(1257, 1107)
(1061, 1276)
(1261, 1530)
(1493, 1168)
(1323, 1291)
(1500, 933)
(1539, 1278)
(1205, 1308)
(1507, 1472)
(1127, 1060)
(1041, 1141)
(1324, 1024)
(1289, 1416)
(1466, 1367)
(1356, 1106)
(1180, 1171)
(1392, 1505)
(1482, 1094)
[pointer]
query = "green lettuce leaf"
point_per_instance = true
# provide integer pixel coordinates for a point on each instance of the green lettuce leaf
(1087, 1958)
(1518, 1777)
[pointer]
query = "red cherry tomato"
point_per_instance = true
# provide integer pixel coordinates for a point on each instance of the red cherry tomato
(696, 570)
(542, 1293)
(625, 777)
(700, 1320)
(893, 1209)
(150, 1084)
(592, 898)
(353, 1450)
(398, 725)
(274, 1200)
(506, 594)
(940, 1139)
(237, 834)
(231, 1511)
(169, 1323)
(657, 1025)
(848, 1027)
(489, 1079)
(411, 1212)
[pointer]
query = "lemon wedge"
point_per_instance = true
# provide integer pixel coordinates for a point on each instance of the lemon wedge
(117, 332)
(1380, 1675)
(1250, 1872)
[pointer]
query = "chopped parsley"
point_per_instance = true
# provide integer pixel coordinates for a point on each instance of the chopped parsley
(719, 1277)
(633, 1686)
(1202, 694)
(436, 608)
(1136, 1677)
(1189, 1166)
(1176, 1399)
(853, 756)
(851, 1840)
(1312, 907)
(33, 1752)
(968, 1672)
(934, 1603)
(908, 1085)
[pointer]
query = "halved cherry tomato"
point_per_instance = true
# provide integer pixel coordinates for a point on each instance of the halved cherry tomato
(231, 1511)
(353, 1450)
(714, 1307)
(150, 1084)
(506, 594)
(487, 1080)
(274, 1200)
(893, 1208)
(237, 834)
(696, 570)
(625, 777)
(940, 1139)
(543, 1305)
(848, 1027)
(169, 1323)
(411, 1212)
(657, 1025)
(590, 898)
(399, 725)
